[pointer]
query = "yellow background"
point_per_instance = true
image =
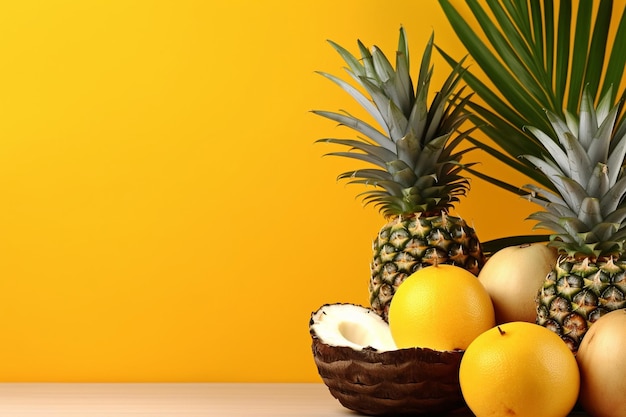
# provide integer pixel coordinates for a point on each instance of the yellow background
(164, 214)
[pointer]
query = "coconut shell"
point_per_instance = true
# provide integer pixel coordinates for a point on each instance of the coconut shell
(412, 381)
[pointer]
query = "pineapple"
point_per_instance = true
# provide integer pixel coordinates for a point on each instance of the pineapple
(416, 175)
(587, 215)
(557, 59)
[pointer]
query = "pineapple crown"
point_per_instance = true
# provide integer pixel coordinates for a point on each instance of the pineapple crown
(416, 167)
(587, 212)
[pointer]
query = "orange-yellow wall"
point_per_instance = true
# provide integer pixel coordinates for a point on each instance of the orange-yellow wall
(164, 214)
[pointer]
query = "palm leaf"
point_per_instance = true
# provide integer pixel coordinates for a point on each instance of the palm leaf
(582, 34)
(492, 246)
(526, 50)
(617, 62)
(597, 48)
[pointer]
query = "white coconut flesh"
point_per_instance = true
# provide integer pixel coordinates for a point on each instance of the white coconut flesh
(352, 326)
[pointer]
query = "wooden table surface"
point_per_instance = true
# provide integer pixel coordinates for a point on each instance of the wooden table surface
(169, 399)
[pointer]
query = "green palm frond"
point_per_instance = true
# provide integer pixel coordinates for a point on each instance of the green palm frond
(539, 56)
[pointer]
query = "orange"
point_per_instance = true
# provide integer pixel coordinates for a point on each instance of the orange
(441, 307)
(519, 369)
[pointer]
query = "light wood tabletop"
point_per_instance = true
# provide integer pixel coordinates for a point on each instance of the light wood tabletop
(169, 399)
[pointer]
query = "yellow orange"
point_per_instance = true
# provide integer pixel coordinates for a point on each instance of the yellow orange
(519, 369)
(441, 307)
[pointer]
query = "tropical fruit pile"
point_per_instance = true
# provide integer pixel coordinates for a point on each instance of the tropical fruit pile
(526, 326)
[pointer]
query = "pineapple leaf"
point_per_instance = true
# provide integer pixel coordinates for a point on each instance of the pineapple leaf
(388, 111)
(382, 66)
(438, 106)
(590, 212)
(575, 227)
(368, 63)
(554, 227)
(354, 64)
(370, 159)
(605, 231)
(408, 149)
(425, 182)
(390, 187)
(547, 219)
(366, 174)
(580, 167)
(401, 173)
(416, 168)
(360, 126)
(548, 168)
(552, 148)
(600, 145)
(430, 153)
(605, 106)
(546, 196)
(418, 119)
(574, 193)
(403, 85)
(614, 197)
(598, 183)
(617, 155)
(616, 217)
(377, 151)
(619, 237)
(403, 48)
(425, 71)
(398, 123)
(358, 96)
(588, 122)
(560, 210)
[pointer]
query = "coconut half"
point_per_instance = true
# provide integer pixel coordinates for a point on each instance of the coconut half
(357, 359)
(351, 326)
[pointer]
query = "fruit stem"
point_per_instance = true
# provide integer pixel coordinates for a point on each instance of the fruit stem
(502, 332)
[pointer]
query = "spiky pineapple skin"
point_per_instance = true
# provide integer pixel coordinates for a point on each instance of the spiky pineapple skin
(407, 244)
(577, 292)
